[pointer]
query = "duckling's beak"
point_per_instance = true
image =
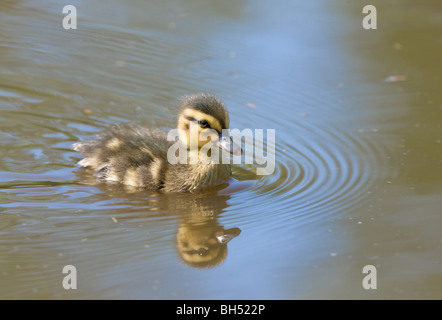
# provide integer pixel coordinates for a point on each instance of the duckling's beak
(226, 143)
(225, 236)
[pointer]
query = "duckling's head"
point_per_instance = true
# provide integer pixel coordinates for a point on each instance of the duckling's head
(207, 116)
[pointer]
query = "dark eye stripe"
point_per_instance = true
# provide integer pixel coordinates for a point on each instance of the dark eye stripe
(202, 123)
(190, 118)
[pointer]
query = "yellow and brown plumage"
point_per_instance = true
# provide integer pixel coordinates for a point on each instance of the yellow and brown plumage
(138, 156)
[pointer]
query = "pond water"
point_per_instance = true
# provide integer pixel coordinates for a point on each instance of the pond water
(358, 159)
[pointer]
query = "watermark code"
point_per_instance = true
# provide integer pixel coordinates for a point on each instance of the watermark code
(209, 146)
(369, 282)
(69, 281)
(70, 20)
(222, 309)
(370, 20)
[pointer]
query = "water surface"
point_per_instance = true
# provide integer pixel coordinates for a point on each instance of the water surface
(357, 181)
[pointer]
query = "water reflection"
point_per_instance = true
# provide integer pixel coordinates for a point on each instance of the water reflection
(204, 246)
(201, 240)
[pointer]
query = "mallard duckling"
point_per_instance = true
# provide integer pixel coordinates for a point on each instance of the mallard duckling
(138, 156)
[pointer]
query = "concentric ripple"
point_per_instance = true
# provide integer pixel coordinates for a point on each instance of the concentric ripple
(324, 171)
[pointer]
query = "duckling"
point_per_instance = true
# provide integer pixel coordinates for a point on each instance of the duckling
(138, 156)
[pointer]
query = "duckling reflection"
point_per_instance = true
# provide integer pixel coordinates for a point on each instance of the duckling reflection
(201, 241)
(204, 245)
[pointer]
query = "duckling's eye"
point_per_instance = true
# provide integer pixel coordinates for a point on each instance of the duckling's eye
(203, 124)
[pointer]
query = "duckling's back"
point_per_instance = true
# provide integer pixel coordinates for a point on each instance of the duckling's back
(132, 156)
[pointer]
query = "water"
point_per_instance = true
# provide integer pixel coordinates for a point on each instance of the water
(358, 159)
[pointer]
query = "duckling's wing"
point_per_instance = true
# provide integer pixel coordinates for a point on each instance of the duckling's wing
(133, 156)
